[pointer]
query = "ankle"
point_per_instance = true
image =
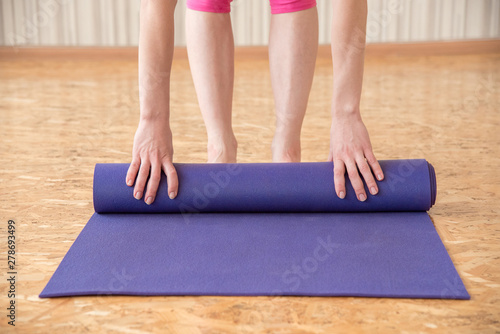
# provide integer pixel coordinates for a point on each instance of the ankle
(286, 151)
(286, 155)
(222, 150)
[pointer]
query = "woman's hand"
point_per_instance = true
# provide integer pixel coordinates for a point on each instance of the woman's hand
(151, 154)
(351, 151)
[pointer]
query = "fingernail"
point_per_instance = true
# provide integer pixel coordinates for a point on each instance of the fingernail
(129, 182)
(341, 195)
(362, 197)
(149, 200)
(138, 195)
(379, 177)
(171, 195)
(373, 190)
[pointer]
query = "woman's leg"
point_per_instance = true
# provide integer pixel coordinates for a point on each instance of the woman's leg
(293, 45)
(210, 48)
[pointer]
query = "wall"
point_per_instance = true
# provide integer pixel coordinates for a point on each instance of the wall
(116, 22)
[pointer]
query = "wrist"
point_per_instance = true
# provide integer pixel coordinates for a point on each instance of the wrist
(350, 112)
(156, 110)
(155, 117)
(154, 104)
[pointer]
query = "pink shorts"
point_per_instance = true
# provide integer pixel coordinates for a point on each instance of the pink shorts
(224, 6)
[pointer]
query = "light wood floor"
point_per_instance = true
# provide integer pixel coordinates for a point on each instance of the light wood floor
(61, 113)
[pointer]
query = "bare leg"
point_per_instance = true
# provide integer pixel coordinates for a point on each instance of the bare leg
(293, 46)
(210, 48)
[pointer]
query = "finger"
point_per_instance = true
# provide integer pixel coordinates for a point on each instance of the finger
(142, 177)
(153, 182)
(373, 162)
(339, 178)
(356, 181)
(172, 180)
(365, 170)
(132, 171)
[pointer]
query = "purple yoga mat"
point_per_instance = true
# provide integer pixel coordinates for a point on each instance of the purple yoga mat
(261, 229)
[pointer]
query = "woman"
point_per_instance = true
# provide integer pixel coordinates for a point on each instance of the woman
(292, 54)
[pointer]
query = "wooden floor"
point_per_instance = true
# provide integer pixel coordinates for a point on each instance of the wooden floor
(61, 113)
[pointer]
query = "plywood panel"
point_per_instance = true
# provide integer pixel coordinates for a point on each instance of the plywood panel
(63, 112)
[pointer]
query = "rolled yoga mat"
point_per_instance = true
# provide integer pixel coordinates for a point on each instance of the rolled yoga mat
(261, 229)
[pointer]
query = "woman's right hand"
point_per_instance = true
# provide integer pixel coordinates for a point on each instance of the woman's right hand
(152, 153)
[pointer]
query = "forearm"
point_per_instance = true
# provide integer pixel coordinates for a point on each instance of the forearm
(348, 50)
(156, 46)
